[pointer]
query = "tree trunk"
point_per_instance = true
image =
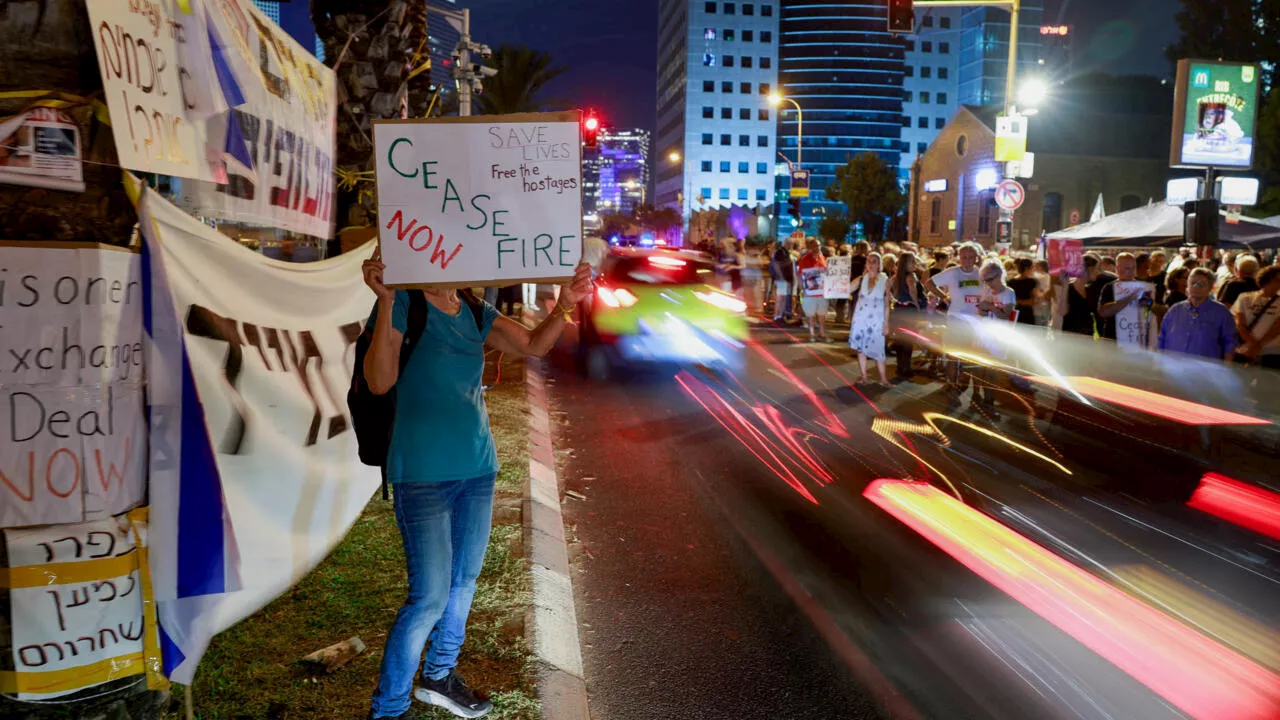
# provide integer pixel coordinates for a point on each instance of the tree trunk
(47, 45)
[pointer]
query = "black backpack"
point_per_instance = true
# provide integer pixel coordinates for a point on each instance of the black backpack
(372, 416)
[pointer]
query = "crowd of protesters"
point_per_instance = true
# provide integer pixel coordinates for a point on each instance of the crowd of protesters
(1224, 308)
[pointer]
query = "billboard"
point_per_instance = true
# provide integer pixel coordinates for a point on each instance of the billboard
(1215, 108)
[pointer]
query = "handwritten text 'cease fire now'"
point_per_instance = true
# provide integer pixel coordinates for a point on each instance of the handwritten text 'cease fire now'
(541, 250)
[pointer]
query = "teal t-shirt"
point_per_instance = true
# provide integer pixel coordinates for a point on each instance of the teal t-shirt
(441, 429)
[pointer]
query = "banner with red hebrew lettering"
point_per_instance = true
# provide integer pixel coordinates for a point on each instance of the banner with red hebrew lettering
(73, 434)
(280, 129)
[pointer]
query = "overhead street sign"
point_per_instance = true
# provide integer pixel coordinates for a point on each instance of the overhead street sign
(1010, 194)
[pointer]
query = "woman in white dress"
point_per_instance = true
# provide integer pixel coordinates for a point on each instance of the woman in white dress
(870, 323)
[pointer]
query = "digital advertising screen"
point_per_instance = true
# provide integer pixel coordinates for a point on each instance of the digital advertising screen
(1214, 113)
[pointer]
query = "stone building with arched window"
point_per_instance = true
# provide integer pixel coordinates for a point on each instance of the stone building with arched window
(1080, 152)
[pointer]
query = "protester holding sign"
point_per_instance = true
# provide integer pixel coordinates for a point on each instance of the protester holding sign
(1124, 306)
(443, 464)
(813, 271)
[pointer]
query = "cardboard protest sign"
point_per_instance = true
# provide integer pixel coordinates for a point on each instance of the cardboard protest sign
(72, 428)
(489, 200)
(75, 598)
(152, 56)
(1134, 323)
(1065, 256)
(837, 282)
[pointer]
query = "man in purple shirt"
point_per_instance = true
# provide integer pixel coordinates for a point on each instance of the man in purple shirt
(1199, 325)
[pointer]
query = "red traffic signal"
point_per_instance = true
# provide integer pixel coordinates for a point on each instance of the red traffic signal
(902, 16)
(590, 128)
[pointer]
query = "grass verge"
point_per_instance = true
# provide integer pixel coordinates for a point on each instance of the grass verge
(251, 670)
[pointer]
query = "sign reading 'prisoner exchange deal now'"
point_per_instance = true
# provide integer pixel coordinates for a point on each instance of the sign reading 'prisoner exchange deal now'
(490, 200)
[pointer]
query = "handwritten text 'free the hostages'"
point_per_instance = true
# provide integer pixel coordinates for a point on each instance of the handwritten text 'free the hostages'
(478, 202)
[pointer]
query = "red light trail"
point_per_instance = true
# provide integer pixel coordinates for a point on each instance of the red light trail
(1169, 408)
(1245, 505)
(1198, 675)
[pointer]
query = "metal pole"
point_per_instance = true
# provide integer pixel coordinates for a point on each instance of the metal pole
(464, 59)
(799, 132)
(1013, 58)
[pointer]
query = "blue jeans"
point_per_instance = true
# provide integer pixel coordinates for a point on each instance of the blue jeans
(445, 529)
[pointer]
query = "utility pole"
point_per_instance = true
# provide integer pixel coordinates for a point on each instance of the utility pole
(464, 65)
(1014, 6)
(469, 77)
(1010, 77)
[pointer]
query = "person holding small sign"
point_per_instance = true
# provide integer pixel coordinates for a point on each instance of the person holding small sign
(443, 464)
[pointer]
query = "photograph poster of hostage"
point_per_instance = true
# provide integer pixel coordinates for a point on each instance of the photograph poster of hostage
(486, 200)
(72, 426)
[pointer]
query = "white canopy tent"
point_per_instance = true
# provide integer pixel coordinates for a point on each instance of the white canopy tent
(1160, 225)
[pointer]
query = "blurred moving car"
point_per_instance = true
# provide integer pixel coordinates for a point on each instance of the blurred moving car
(660, 306)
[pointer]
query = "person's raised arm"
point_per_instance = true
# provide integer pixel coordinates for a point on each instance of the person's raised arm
(382, 361)
(509, 336)
(1110, 309)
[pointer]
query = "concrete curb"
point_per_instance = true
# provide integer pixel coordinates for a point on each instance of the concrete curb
(553, 632)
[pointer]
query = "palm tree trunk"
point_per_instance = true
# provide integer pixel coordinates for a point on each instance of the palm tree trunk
(374, 46)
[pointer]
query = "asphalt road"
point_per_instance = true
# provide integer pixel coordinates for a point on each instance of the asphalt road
(728, 565)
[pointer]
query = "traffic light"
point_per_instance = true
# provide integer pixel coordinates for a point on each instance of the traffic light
(902, 16)
(793, 208)
(590, 128)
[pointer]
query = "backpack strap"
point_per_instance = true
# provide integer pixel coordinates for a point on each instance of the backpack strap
(476, 306)
(416, 325)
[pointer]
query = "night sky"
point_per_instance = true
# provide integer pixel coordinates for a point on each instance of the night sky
(610, 46)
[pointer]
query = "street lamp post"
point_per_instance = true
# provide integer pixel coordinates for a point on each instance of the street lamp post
(776, 100)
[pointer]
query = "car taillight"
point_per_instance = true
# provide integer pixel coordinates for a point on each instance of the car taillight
(620, 298)
(664, 261)
(722, 301)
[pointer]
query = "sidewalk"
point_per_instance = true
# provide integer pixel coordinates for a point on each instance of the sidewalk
(554, 627)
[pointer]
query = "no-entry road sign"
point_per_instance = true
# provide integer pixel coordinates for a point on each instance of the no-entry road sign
(1010, 194)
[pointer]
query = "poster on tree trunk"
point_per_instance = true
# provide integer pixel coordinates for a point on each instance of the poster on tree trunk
(41, 148)
(489, 200)
(73, 433)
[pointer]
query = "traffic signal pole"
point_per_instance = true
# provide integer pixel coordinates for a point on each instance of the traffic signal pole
(1010, 77)
(1014, 6)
